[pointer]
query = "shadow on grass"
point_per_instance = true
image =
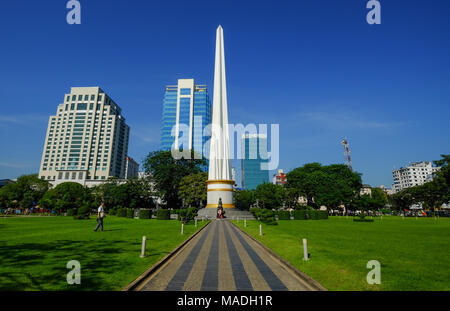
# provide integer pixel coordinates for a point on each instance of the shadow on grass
(26, 266)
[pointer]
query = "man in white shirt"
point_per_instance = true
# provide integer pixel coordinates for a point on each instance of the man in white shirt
(100, 215)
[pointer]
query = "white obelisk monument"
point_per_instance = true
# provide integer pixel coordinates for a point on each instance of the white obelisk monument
(220, 183)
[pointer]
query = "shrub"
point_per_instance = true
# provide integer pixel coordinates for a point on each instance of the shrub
(284, 215)
(313, 214)
(83, 212)
(300, 215)
(71, 212)
(255, 211)
(267, 216)
(181, 214)
(163, 214)
(145, 214)
(121, 212)
(130, 212)
(112, 211)
(322, 214)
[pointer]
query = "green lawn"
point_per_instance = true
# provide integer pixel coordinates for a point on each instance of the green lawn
(414, 254)
(34, 251)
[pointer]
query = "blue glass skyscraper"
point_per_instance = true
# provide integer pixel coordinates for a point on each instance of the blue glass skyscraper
(254, 153)
(186, 113)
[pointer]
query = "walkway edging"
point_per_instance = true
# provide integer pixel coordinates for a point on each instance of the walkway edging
(311, 282)
(133, 285)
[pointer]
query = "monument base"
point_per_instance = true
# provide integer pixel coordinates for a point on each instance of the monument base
(220, 189)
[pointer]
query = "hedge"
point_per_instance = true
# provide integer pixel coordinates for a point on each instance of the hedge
(163, 214)
(71, 212)
(323, 214)
(145, 214)
(300, 215)
(313, 215)
(284, 215)
(130, 212)
(121, 212)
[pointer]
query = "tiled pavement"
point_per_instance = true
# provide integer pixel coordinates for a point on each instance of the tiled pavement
(222, 258)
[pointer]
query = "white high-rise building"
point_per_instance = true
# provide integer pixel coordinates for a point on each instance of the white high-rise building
(416, 174)
(86, 140)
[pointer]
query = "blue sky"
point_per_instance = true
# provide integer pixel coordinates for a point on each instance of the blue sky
(315, 67)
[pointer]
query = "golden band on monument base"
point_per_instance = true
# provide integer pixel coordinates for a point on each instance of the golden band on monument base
(217, 205)
(220, 189)
(220, 181)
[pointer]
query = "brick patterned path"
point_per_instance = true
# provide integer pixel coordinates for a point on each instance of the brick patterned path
(221, 258)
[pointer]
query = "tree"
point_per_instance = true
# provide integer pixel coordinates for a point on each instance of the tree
(66, 196)
(167, 172)
(269, 196)
(330, 185)
(244, 199)
(26, 190)
(192, 189)
(379, 198)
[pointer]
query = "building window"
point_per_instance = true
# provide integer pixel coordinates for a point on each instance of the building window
(185, 91)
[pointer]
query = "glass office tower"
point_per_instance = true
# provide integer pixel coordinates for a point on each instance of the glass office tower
(186, 113)
(254, 149)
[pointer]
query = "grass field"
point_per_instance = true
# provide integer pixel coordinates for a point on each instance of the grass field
(414, 254)
(34, 251)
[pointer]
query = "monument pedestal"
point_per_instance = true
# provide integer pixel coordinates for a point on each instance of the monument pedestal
(220, 189)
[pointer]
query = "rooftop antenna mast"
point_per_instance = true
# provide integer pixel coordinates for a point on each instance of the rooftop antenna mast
(348, 158)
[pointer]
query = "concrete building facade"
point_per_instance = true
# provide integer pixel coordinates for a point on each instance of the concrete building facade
(132, 168)
(413, 175)
(86, 140)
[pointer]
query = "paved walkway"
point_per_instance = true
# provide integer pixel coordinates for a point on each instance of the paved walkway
(221, 258)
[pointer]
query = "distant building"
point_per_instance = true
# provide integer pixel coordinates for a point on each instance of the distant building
(86, 140)
(386, 190)
(4, 182)
(416, 174)
(279, 178)
(254, 154)
(132, 168)
(365, 190)
(186, 111)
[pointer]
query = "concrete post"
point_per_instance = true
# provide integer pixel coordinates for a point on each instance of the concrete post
(195, 222)
(144, 244)
(260, 229)
(245, 223)
(305, 250)
(182, 228)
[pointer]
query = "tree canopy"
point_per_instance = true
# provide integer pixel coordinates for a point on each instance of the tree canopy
(330, 185)
(166, 173)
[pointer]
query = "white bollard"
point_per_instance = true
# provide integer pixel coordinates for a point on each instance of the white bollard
(195, 222)
(260, 229)
(381, 217)
(245, 223)
(182, 228)
(144, 244)
(305, 250)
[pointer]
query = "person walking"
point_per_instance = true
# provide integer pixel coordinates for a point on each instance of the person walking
(100, 215)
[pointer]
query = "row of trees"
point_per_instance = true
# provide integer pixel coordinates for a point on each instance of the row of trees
(182, 183)
(432, 194)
